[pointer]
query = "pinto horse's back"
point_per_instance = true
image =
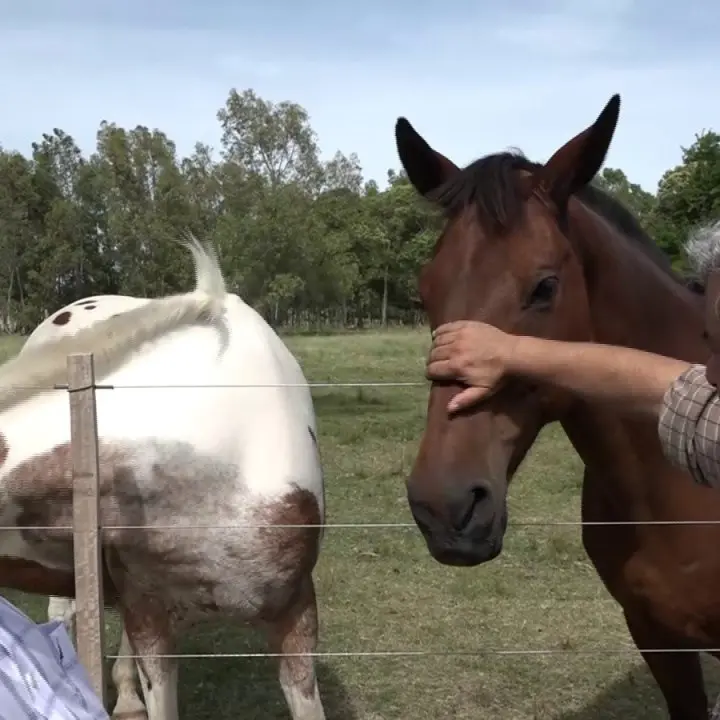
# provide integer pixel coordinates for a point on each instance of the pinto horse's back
(79, 315)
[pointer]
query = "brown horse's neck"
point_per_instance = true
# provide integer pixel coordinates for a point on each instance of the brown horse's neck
(634, 302)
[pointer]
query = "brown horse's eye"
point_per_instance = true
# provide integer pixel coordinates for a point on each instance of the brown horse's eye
(543, 293)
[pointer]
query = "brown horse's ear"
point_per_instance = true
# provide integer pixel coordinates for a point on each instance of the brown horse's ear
(426, 168)
(576, 163)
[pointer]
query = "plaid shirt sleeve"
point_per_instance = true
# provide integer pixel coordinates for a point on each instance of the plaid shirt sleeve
(689, 426)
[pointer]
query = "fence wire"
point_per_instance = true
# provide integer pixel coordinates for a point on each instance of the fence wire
(510, 652)
(418, 654)
(367, 526)
(170, 386)
(324, 526)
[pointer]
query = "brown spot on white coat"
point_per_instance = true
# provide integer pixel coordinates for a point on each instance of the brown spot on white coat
(62, 318)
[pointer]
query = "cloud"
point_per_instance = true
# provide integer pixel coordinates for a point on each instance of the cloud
(568, 31)
(473, 79)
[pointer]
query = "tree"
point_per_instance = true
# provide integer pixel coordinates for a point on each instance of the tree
(640, 202)
(306, 242)
(273, 141)
(688, 194)
(18, 203)
(343, 173)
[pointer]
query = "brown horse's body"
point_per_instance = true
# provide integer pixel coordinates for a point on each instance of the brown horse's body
(666, 577)
(532, 249)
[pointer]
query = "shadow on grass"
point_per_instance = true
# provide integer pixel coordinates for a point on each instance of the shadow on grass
(230, 688)
(637, 696)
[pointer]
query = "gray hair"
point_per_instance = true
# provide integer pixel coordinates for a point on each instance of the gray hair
(702, 250)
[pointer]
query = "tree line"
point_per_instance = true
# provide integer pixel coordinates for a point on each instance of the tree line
(310, 244)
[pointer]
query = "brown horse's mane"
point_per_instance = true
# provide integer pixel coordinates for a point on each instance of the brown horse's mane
(490, 185)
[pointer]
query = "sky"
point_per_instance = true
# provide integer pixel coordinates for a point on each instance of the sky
(472, 76)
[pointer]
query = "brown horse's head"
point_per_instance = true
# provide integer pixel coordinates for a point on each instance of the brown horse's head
(505, 257)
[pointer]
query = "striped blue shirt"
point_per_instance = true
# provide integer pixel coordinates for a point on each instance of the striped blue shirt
(41, 677)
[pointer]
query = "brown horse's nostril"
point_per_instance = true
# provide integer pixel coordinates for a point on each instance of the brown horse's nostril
(463, 526)
(466, 514)
(477, 509)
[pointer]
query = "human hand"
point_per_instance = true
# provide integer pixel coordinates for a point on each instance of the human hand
(473, 353)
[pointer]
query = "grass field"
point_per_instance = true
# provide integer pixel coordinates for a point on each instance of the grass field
(380, 590)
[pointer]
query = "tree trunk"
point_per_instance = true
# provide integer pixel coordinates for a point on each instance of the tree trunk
(383, 310)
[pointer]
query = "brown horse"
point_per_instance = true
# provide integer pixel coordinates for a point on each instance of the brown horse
(537, 250)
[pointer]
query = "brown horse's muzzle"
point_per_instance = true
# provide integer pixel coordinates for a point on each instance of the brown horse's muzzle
(464, 525)
(457, 490)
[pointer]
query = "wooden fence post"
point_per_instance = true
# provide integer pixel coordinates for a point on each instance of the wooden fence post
(86, 519)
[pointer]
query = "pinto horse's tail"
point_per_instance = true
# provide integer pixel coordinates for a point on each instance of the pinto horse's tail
(114, 340)
(209, 280)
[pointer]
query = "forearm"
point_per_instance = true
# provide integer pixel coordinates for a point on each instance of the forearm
(630, 380)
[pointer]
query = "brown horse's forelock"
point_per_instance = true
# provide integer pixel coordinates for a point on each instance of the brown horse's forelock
(490, 186)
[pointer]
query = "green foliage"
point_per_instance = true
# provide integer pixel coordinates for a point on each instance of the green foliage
(309, 243)
(689, 194)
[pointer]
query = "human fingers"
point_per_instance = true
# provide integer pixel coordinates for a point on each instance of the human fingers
(440, 352)
(440, 370)
(451, 328)
(467, 398)
(445, 340)
(448, 361)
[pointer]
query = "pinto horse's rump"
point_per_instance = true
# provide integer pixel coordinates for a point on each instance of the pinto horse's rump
(203, 436)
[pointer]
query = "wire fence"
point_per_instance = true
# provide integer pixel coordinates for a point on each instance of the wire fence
(366, 526)
(88, 531)
(480, 652)
(170, 386)
(329, 526)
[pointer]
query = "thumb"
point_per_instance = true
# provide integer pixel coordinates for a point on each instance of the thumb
(468, 397)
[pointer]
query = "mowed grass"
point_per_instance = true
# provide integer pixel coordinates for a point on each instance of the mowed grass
(379, 590)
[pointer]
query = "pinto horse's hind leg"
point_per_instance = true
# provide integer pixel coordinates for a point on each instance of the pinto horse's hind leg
(679, 675)
(64, 610)
(149, 635)
(296, 631)
(129, 705)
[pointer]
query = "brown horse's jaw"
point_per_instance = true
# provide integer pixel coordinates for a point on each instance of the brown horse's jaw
(453, 558)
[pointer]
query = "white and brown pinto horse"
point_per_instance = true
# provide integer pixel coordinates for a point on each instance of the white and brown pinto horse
(243, 458)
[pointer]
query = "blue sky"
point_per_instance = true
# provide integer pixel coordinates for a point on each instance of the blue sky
(473, 77)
